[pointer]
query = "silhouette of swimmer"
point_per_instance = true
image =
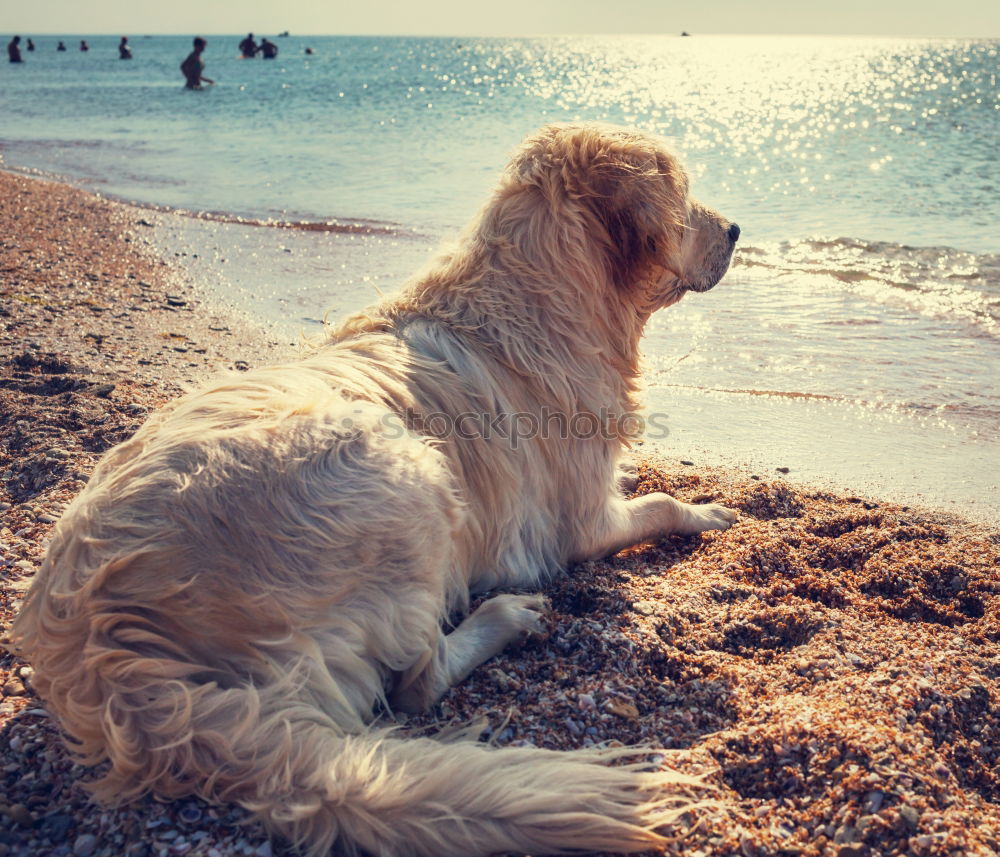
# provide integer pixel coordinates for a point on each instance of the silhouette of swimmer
(61, 47)
(309, 51)
(268, 50)
(124, 51)
(31, 45)
(194, 65)
(13, 51)
(84, 46)
(248, 47)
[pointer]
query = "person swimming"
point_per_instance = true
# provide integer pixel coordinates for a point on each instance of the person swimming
(248, 47)
(124, 51)
(194, 65)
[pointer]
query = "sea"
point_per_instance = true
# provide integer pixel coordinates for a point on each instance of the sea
(855, 341)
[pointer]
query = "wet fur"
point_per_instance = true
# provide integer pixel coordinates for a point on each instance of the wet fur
(269, 560)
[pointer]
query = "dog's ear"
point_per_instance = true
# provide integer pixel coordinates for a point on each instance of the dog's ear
(625, 191)
(638, 195)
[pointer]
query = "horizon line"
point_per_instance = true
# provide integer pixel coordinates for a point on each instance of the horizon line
(152, 34)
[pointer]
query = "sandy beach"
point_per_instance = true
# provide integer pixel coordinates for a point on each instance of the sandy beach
(831, 663)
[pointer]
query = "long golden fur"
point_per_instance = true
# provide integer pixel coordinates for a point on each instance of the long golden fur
(272, 558)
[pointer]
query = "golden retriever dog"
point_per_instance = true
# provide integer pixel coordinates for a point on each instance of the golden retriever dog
(273, 559)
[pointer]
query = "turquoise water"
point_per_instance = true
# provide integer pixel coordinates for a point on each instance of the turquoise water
(859, 329)
(879, 139)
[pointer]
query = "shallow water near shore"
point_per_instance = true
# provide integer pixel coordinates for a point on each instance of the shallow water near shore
(855, 340)
(750, 375)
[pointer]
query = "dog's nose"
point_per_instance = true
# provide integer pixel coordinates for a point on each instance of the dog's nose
(734, 232)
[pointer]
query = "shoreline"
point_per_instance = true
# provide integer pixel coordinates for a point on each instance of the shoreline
(339, 225)
(829, 662)
(889, 443)
(904, 450)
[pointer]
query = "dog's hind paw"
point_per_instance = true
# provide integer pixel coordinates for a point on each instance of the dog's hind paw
(627, 478)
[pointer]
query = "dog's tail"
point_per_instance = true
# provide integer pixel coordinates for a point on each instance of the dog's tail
(271, 748)
(377, 793)
(423, 798)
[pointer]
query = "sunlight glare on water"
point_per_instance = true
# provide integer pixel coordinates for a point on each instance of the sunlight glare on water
(771, 118)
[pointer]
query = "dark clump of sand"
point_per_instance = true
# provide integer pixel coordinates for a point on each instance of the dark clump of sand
(830, 663)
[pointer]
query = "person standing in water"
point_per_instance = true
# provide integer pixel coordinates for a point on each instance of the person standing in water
(248, 47)
(194, 65)
(268, 49)
(124, 51)
(83, 45)
(31, 45)
(61, 47)
(14, 50)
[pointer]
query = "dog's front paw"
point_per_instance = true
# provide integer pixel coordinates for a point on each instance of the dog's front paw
(515, 617)
(710, 516)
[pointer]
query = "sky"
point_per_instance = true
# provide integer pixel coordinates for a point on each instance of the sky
(977, 18)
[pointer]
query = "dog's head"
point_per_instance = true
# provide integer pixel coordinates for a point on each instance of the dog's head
(623, 191)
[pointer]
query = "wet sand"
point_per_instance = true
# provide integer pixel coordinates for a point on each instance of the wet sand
(831, 663)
